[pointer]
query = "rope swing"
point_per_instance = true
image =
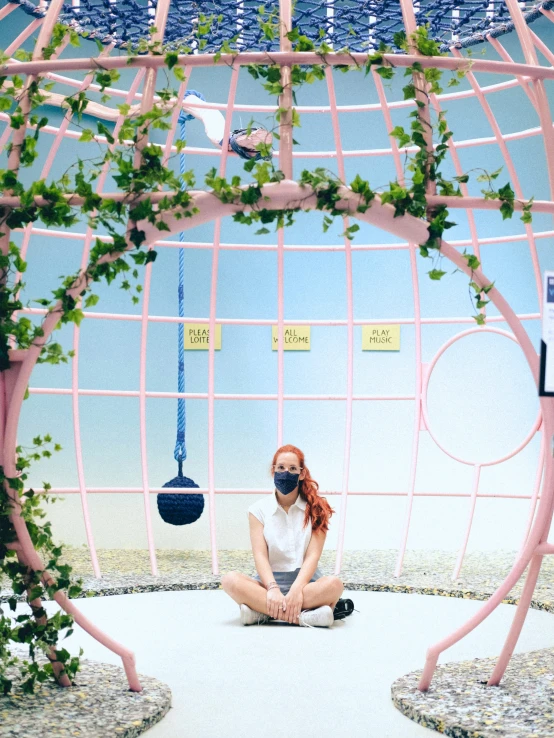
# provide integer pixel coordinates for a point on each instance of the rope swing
(181, 509)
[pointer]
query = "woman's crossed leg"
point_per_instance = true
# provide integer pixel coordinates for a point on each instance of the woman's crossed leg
(246, 590)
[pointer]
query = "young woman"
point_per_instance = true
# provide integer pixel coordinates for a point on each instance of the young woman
(287, 530)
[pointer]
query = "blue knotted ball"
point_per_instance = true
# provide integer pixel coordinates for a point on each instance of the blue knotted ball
(180, 509)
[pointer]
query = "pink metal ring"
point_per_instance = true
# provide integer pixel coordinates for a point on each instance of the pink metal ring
(425, 384)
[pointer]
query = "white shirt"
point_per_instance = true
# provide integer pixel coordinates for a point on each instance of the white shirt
(286, 539)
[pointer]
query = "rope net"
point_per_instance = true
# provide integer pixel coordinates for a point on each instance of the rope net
(360, 25)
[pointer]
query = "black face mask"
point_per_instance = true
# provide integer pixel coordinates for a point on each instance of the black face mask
(285, 482)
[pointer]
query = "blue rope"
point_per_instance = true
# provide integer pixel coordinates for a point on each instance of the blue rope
(180, 452)
(353, 22)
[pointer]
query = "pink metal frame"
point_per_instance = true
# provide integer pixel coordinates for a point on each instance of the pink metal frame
(530, 76)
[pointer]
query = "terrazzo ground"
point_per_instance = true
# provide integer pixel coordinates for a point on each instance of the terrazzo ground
(125, 571)
(458, 704)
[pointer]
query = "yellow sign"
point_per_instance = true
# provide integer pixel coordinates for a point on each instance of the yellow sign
(380, 338)
(297, 338)
(197, 336)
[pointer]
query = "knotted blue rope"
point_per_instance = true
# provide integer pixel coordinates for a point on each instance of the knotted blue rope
(359, 26)
(180, 452)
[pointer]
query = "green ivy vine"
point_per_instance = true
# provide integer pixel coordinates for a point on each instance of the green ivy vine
(116, 259)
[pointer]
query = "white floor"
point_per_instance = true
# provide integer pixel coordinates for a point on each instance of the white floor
(282, 681)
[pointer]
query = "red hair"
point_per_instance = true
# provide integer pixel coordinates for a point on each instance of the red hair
(318, 510)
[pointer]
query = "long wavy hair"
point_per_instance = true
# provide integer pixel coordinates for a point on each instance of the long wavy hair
(318, 510)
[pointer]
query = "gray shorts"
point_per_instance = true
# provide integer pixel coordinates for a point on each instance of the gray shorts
(285, 579)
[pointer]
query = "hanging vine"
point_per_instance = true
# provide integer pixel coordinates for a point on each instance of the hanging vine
(148, 192)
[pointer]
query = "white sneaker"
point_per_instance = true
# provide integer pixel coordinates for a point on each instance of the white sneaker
(252, 617)
(321, 617)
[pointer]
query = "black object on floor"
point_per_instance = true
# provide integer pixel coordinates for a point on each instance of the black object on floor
(343, 609)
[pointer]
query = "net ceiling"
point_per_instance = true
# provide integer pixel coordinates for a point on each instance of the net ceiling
(357, 24)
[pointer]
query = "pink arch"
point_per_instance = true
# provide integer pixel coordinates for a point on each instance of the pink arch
(280, 196)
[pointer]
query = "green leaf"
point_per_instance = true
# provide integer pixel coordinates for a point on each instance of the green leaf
(472, 261)
(436, 274)
(171, 59)
(385, 72)
(91, 301)
(507, 210)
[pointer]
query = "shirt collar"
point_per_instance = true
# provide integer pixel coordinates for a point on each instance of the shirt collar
(300, 502)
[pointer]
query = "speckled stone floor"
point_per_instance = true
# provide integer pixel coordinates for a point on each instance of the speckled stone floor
(97, 705)
(458, 704)
(425, 572)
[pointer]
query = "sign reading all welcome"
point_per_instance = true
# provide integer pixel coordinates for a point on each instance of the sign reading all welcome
(297, 338)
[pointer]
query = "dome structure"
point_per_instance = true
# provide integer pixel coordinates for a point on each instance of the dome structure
(361, 162)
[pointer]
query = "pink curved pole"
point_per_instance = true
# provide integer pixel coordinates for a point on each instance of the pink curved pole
(417, 415)
(282, 58)
(53, 150)
(535, 495)
(518, 621)
(65, 603)
(7, 9)
(524, 82)
(476, 203)
(26, 552)
(473, 500)
(23, 36)
(14, 157)
(261, 490)
(165, 243)
(159, 23)
(385, 107)
(142, 360)
(543, 106)
(480, 203)
(543, 48)
(24, 246)
(212, 324)
(306, 321)
(285, 99)
(348, 153)
(285, 164)
(382, 216)
(270, 109)
(280, 334)
(142, 417)
(350, 330)
(75, 363)
(511, 170)
(544, 517)
(430, 368)
(544, 514)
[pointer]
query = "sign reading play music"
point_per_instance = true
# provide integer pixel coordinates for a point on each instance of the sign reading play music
(197, 336)
(380, 338)
(297, 338)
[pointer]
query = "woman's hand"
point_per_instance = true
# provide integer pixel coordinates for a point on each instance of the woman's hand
(276, 603)
(294, 600)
